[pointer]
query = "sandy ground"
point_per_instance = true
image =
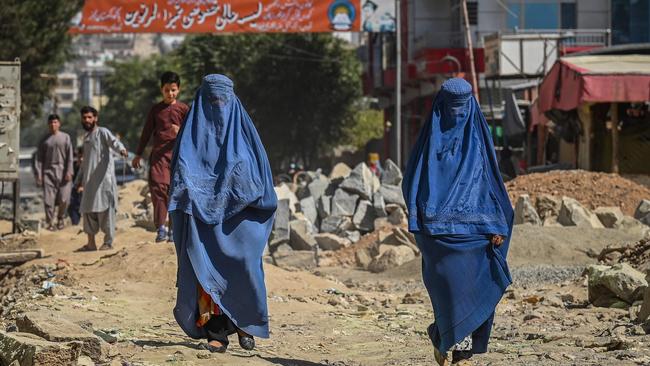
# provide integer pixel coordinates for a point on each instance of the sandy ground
(338, 316)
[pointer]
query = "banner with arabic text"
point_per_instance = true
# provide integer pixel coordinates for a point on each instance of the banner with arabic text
(212, 16)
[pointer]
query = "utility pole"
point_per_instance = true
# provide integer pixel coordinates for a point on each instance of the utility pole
(398, 84)
(470, 48)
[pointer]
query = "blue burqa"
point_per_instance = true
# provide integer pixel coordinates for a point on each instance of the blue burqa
(456, 200)
(221, 205)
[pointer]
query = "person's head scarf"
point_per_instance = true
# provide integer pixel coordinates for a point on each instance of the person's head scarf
(452, 184)
(219, 166)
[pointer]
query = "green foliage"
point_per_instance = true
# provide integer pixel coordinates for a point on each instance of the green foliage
(368, 125)
(300, 89)
(36, 32)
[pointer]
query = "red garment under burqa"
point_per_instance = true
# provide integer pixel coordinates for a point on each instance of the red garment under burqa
(160, 120)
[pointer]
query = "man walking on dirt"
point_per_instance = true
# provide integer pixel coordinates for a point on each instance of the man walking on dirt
(53, 170)
(96, 178)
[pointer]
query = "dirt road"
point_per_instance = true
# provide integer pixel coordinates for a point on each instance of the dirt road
(332, 316)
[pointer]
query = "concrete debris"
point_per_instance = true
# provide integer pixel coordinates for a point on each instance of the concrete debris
(642, 212)
(392, 174)
(308, 208)
(328, 241)
(361, 181)
(572, 213)
(393, 194)
(610, 217)
(302, 235)
(344, 203)
(29, 349)
(284, 192)
(392, 256)
(364, 217)
(548, 206)
(55, 329)
(280, 233)
(620, 281)
(340, 171)
(525, 211)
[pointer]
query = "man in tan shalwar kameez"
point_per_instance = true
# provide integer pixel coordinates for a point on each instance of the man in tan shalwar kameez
(53, 170)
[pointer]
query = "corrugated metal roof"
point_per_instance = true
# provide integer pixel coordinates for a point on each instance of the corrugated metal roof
(610, 64)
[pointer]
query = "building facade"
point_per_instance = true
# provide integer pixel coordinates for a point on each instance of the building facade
(436, 47)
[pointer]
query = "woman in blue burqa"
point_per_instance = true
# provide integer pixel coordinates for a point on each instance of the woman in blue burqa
(462, 219)
(221, 205)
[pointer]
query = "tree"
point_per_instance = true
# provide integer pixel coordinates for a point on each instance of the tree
(300, 89)
(36, 32)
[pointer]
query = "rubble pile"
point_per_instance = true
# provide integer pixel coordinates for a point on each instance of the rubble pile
(549, 210)
(333, 213)
(591, 189)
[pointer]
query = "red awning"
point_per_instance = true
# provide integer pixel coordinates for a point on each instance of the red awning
(606, 78)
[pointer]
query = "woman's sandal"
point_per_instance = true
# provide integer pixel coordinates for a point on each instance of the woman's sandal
(212, 348)
(246, 341)
(215, 349)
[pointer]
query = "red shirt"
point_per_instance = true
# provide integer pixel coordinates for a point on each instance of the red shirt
(160, 120)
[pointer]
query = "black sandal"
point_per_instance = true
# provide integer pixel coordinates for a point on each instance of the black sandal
(214, 349)
(246, 341)
(215, 337)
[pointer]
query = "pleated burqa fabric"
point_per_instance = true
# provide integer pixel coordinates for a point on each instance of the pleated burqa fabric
(456, 201)
(221, 205)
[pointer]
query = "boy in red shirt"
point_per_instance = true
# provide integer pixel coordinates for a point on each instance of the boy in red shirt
(163, 122)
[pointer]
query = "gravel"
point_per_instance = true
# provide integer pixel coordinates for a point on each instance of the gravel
(534, 275)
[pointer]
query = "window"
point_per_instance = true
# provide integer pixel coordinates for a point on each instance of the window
(66, 83)
(541, 14)
(630, 21)
(472, 12)
(66, 97)
(568, 16)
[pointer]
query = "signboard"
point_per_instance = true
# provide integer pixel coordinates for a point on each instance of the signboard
(9, 119)
(378, 16)
(212, 16)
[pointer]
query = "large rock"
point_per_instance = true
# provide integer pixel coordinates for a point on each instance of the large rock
(525, 211)
(336, 224)
(548, 206)
(397, 217)
(364, 217)
(324, 206)
(633, 226)
(398, 237)
(644, 314)
(379, 205)
(392, 194)
(318, 186)
(391, 257)
(284, 192)
(328, 241)
(302, 235)
(344, 203)
(363, 257)
(642, 212)
(352, 235)
(610, 217)
(572, 213)
(280, 233)
(340, 171)
(361, 181)
(621, 280)
(308, 208)
(392, 174)
(30, 350)
(56, 329)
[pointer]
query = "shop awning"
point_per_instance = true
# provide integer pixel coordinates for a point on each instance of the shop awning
(598, 79)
